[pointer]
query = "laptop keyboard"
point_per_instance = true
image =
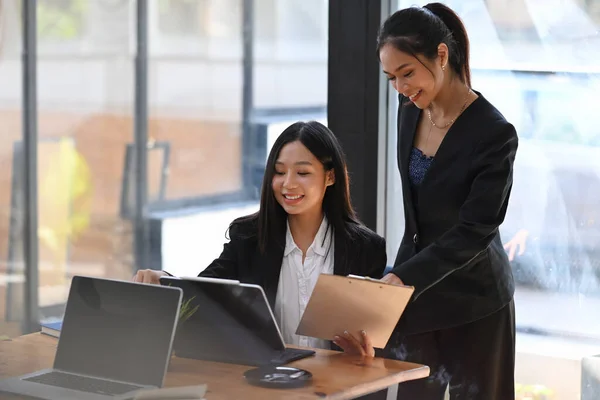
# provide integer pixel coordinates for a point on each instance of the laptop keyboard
(82, 383)
(290, 354)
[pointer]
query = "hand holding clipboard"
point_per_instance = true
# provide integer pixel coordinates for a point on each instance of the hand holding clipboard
(362, 345)
(354, 304)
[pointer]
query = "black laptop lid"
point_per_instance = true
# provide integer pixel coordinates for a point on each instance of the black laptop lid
(226, 322)
(118, 330)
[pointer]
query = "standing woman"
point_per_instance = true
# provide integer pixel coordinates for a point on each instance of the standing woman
(455, 155)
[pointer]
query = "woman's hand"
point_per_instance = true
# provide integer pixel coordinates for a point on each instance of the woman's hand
(355, 346)
(392, 279)
(518, 242)
(148, 276)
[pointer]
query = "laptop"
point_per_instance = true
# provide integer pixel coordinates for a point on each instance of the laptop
(116, 339)
(228, 321)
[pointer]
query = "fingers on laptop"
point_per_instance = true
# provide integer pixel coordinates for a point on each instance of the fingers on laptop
(148, 276)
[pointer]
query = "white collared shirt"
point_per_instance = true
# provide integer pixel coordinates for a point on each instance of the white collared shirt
(297, 282)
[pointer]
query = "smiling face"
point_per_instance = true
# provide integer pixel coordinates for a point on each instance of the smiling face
(418, 79)
(300, 180)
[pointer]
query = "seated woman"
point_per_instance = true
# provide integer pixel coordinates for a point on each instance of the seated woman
(305, 226)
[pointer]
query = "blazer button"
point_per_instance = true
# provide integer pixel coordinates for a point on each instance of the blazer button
(415, 238)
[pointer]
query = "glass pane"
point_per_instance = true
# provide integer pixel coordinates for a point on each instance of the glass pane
(12, 278)
(195, 93)
(197, 88)
(290, 57)
(85, 105)
(537, 62)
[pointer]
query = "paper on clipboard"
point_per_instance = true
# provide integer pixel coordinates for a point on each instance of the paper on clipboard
(352, 303)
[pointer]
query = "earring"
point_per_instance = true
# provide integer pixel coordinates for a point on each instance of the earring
(444, 67)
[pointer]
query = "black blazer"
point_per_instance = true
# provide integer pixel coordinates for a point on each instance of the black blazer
(451, 251)
(242, 260)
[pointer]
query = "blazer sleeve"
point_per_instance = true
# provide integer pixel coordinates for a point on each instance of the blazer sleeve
(479, 216)
(378, 262)
(226, 265)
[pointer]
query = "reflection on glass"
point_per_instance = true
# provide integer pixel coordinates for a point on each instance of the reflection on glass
(195, 92)
(196, 84)
(85, 124)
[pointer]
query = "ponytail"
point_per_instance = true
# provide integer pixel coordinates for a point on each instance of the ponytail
(459, 59)
(420, 30)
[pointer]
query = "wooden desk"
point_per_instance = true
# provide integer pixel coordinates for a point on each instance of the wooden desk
(335, 375)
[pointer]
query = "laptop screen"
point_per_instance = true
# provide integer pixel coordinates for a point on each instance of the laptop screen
(225, 322)
(118, 330)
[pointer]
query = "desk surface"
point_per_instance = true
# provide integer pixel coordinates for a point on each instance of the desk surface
(335, 375)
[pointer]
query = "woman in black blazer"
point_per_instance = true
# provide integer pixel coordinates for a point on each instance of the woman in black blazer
(305, 226)
(455, 155)
(358, 251)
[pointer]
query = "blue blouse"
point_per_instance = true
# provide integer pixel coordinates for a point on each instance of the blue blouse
(418, 165)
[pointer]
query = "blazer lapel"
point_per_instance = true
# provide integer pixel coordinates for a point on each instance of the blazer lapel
(270, 263)
(408, 117)
(452, 145)
(407, 128)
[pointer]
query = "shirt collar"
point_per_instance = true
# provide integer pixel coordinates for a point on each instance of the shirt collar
(320, 244)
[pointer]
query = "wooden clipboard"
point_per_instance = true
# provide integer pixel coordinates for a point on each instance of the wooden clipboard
(347, 303)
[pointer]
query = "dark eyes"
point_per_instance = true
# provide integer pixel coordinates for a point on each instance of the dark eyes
(407, 75)
(299, 173)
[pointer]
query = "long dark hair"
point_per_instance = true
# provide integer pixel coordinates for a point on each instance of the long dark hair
(420, 30)
(271, 217)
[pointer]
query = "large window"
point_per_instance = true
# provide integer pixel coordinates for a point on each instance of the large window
(201, 105)
(224, 78)
(537, 62)
(85, 126)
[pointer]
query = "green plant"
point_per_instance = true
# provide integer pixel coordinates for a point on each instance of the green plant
(61, 19)
(533, 392)
(186, 310)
